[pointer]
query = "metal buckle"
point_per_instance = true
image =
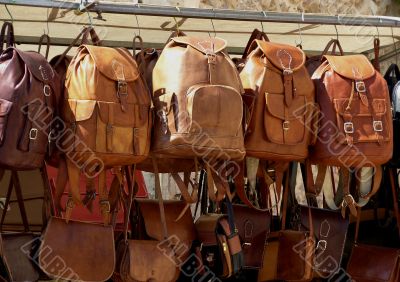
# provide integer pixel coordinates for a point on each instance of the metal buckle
(287, 71)
(378, 126)
(33, 133)
(212, 58)
(46, 90)
(106, 205)
(321, 245)
(285, 125)
(122, 88)
(360, 86)
(348, 127)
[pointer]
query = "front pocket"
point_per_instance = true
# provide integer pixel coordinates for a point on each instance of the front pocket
(216, 110)
(359, 123)
(123, 132)
(5, 107)
(285, 125)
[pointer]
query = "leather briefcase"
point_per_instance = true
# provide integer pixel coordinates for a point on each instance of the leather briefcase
(77, 251)
(253, 227)
(372, 263)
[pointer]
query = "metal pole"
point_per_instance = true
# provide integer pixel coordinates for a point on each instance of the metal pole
(217, 14)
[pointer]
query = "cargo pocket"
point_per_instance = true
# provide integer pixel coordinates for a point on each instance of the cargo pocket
(34, 135)
(122, 132)
(359, 123)
(82, 125)
(285, 125)
(5, 107)
(216, 110)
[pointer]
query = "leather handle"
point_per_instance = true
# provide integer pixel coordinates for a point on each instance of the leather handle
(333, 43)
(7, 36)
(93, 36)
(41, 39)
(255, 35)
(376, 63)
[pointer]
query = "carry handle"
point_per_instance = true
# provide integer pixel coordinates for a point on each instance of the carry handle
(7, 36)
(333, 43)
(93, 36)
(175, 33)
(255, 35)
(41, 39)
(376, 63)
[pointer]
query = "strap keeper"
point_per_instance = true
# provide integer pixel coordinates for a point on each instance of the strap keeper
(377, 125)
(348, 127)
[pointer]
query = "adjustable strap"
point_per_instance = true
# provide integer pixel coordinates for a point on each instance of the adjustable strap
(313, 189)
(288, 86)
(160, 198)
(110, 128)
(74, 192)
(90, 193)
(348, 200)
(132, 194)
(41, 39)
(105, 207)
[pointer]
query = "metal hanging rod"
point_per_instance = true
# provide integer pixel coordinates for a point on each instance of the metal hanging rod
(217, 14)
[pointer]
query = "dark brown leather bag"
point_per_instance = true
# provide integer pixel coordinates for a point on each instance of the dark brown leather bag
(77, 251)
(28, 102)
(189, 101)
(279, 95)
(253, 227)
(314, 62)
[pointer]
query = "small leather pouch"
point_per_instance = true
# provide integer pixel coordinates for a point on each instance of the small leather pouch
(221, 249)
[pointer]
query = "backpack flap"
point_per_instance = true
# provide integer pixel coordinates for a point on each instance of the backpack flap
(206, 46)
(354, 67)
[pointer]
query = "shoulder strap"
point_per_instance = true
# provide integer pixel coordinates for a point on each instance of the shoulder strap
(255, 35)
(41, 39)
(392, 174)
(7, 36)
(160, 198)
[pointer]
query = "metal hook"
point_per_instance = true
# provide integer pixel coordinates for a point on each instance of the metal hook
(177, 26)
(337, 33)
(262, 24)
(299, 43)
(9, 13)
(89, 18)
(46, 32)
(137, 24)
(394, 44)
(377, 35)
(212, 24)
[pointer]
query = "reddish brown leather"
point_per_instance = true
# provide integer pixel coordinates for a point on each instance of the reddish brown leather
(279, 107)
(190, 101)
(77, 251)
(253, 227)
(146, 261)
(205, 228)
(25, 112)
(372, 264)
(314, 62)
(334, 81)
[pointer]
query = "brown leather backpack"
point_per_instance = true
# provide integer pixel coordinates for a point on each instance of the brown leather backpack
(28, 101)
(355, 126)
(108, 116)
(193, 82)
(279, 95)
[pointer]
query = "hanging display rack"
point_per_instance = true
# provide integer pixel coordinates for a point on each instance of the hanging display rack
(218, 14)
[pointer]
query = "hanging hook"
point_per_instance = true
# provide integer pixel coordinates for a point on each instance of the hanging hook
(177, 26)
(299, 41)
(337, 33)
(395, 47)
(9, 13)
(262, 23)
(137, 25)
(47, 30)
(377, 35)
(89, 18)
(212, 24)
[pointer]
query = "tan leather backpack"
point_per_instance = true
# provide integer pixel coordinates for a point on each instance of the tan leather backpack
(279, 96)
(108, 116)
(197, 100)
(355, 123)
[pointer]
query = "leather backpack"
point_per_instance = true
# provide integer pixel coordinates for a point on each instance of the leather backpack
(279, 96)
(191, 116)
(355, 122)
(107, 114)
(28, 103)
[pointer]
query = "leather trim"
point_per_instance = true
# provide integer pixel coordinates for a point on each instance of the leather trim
(204, 45)
(355, 67)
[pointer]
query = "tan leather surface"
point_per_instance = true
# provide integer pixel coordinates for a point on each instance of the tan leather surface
(190, 101)
(25, 112)
(369, 263)
(205, 228)
(365, 146)
(147, 262)
(270, 262)
(253, 227)
(86, 249)
(108, 122)
(279, 98)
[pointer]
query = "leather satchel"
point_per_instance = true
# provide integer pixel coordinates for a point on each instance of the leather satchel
(220, 244)
(253, 228)
(189, 101)
(77, 251)
(28, 102)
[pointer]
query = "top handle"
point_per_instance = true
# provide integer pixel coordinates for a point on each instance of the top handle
(7, 36)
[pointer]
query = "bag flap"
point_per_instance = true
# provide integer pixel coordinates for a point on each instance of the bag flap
(37, 65)
(5, 107)
(373, 263)
(116, 64)
(355, 67)
(80, 109)
(204, 45)
(134, 116)
(359, 109)
(282, 56)
(276, 106)
(183, 229)
(87, 248)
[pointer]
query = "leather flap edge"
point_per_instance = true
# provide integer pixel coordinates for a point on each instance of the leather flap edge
(355, 67)
(205, 45)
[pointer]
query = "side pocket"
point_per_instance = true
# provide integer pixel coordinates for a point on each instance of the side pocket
(5, 107)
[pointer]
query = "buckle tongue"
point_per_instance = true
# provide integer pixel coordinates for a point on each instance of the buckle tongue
(360, 86)
(377, 125)
(348, 127)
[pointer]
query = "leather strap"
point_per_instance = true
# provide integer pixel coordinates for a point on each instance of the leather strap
(333, 43)
(105, 206)
(74, 192)
(392, 174)
(7, 202)
(255, 35)
(7, 36)
(313, 189)
(41, 39)
(376, 53)
(132, 194)
(160, 198)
